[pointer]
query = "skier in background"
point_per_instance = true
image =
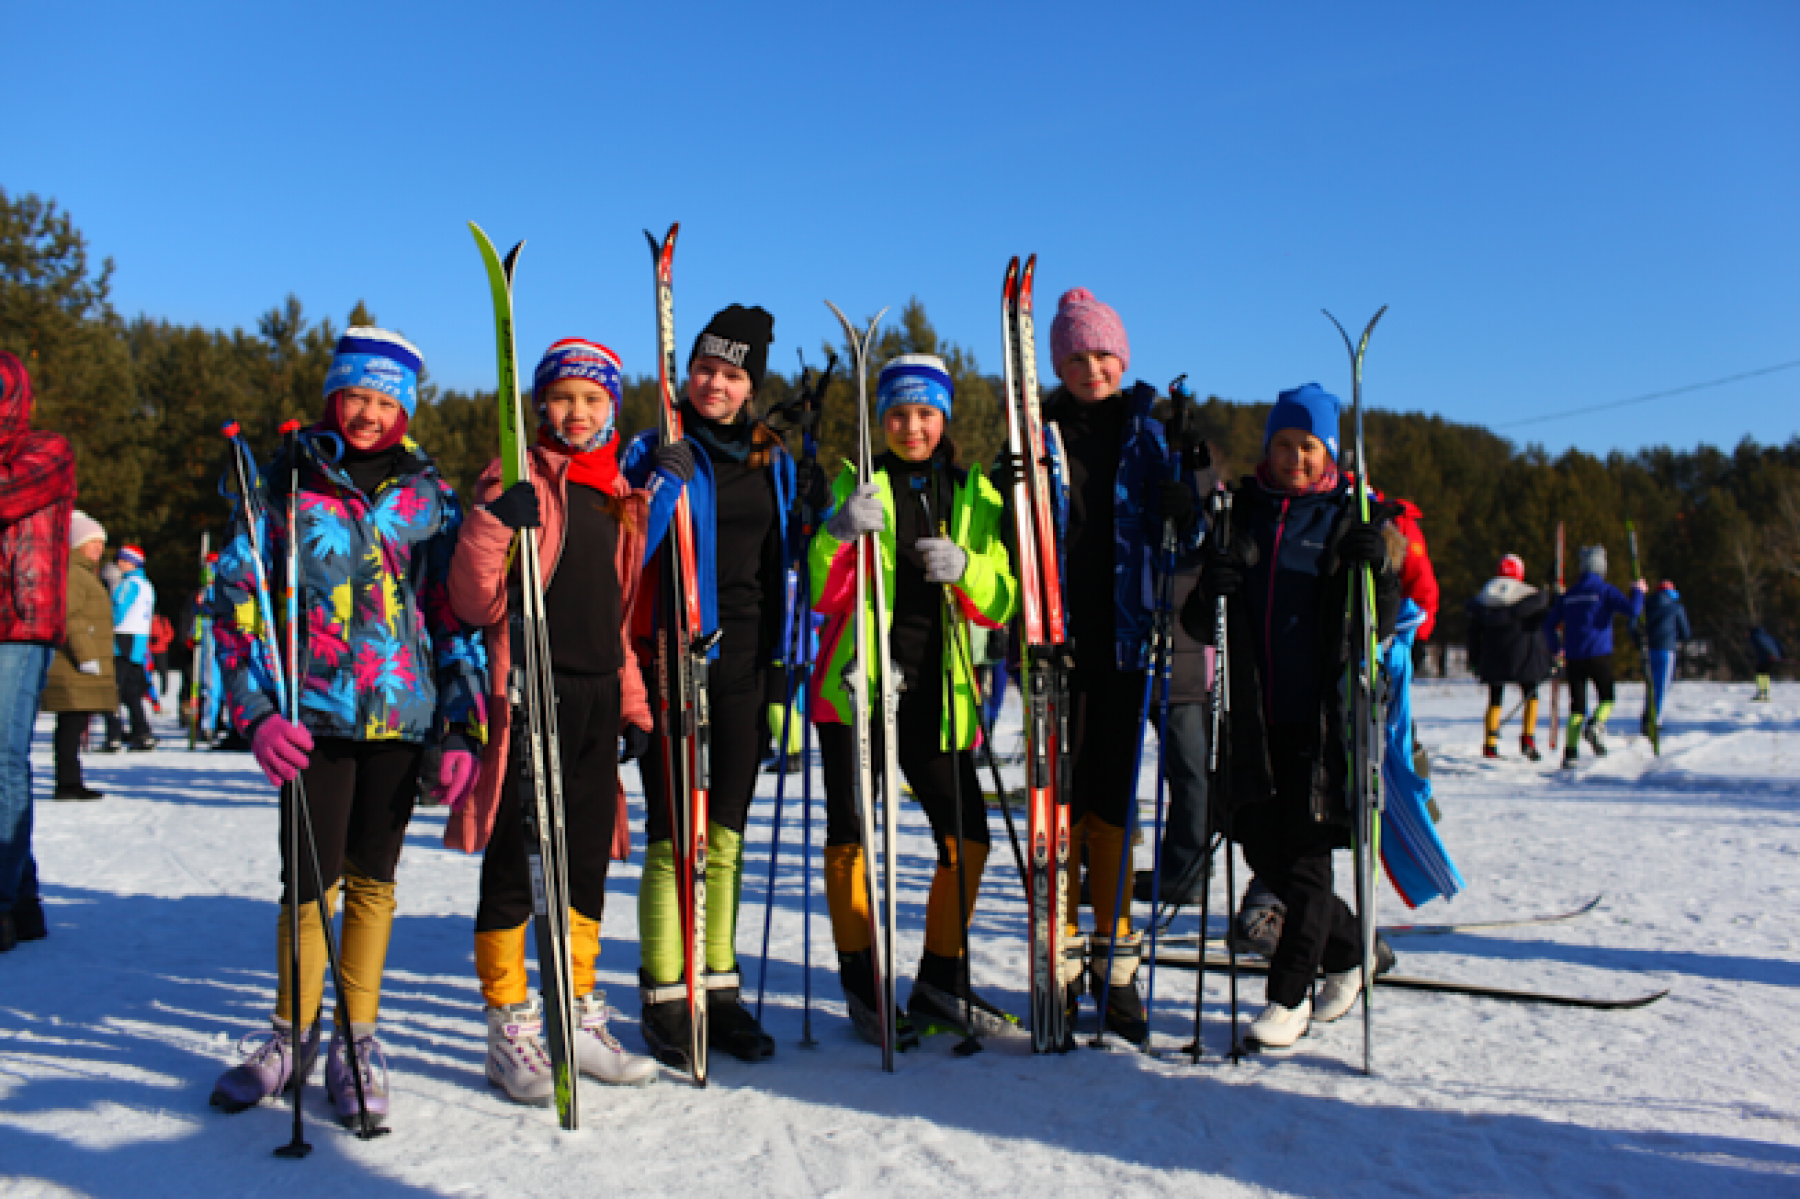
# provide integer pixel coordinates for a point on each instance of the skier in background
(134, 605)
(589, 524)
(1584, 614)
(1768, 654)
(938, 525)
(1506, 645)
(80, 684)
(1664, 628)
(740, 484)
(386, 668)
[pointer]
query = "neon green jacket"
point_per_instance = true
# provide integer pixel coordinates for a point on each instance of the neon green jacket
(988, 594)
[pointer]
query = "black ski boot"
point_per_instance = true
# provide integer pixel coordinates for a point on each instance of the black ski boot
(941, 1002)
(1528, 747)
(856, 973)
(730, 1026)
(1124, 1013)
(666, 1028)
(1384, 955)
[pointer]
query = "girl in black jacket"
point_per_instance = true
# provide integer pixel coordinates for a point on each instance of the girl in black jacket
(1294, 539)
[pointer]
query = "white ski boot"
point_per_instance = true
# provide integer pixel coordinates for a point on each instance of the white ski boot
(1338, 995)
(517, 1061)
(1279, 1027)
(598, 1053)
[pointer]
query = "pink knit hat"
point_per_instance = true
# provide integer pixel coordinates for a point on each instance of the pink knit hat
(1084, 325)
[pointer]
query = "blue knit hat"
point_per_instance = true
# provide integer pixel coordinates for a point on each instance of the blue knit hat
(914, 379)
(1310, 409)
(378, 360)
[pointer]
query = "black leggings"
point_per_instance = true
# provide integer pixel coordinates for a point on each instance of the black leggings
(739, 715)
(1103, 741)
(1581, 671)
(587, 732)
(1290, 853)
(69, 728)
(360, 796)
(931, 770)
(1497, 693)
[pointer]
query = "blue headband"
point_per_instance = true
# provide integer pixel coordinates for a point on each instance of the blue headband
(914, 379)
(378, 360)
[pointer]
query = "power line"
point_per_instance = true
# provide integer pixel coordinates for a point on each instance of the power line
(1655, 395)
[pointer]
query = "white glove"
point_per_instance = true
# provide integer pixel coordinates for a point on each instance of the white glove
(89, 667)
(945, 561)
(859, 513)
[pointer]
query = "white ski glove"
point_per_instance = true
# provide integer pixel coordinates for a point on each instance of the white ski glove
(945, 561)
(859, 513)
(91, 666)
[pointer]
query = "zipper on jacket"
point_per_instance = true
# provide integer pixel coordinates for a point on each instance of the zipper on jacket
(1269, 620)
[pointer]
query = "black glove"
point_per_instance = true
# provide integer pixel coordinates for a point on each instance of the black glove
(1008, 469)
(636, 743)
(1363, 543)
(675, 460)
(1177, 503)
(1220, 578)
(813, 488)
(517, 507)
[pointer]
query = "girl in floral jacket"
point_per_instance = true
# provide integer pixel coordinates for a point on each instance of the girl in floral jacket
(385, 667)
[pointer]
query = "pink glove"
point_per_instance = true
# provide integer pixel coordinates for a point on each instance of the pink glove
(280, 749)
(457, 771)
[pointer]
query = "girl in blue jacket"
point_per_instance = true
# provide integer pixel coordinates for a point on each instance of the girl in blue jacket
(1584, 614)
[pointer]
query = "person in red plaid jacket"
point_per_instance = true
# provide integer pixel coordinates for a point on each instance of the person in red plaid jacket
(37, 496)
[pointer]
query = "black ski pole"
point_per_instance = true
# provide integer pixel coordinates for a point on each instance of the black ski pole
(987, 739)
(970, 1044)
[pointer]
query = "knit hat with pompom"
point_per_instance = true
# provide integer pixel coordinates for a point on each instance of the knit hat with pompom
(1084, 325)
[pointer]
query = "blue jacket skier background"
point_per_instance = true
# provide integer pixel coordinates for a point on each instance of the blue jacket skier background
(1584, 615)
(1665, 620)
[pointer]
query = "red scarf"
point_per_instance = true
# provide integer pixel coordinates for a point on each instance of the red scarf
(1325, 482)
(597, 468)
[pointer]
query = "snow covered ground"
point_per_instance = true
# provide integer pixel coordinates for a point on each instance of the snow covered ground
(161, 954)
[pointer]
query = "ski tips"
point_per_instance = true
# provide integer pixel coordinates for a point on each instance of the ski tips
(658, 247)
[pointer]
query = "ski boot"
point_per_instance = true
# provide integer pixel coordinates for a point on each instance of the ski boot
(1490, 750)
(1528, 747)
(598, 1053)
(1595, 734)
(941, 1000)
(730, 1026)
(667, 1030)
(1124, 1014)
(267, 1070)
(340, 1083)
(1337, 995)
(140, 745)
(856, 973)
(1279, 1027)
(517, 1061)
(1571, 755)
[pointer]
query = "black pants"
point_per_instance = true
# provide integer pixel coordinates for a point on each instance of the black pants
(587, 731)
(1581, 671)
(932, 771)
(69, 728)
(1290, 853)
(134, 688)
(360, 796)
(738, 710)
(1105, 707)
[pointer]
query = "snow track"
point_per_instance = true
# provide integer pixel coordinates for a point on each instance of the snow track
(161, 954)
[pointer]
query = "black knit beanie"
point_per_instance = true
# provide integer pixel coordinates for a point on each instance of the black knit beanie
(740, 336)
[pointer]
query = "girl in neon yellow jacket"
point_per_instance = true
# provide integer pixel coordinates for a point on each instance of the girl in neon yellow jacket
(939, 534)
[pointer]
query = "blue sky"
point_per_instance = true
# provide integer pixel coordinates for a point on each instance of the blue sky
(1564, 205)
